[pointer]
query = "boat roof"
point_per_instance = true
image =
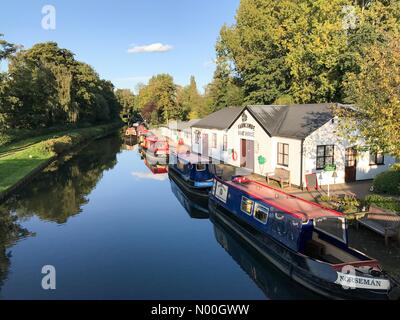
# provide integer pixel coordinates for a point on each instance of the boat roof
(298, 207)
(192, 158)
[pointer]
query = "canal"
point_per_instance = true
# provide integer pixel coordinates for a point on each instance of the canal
(116, 228)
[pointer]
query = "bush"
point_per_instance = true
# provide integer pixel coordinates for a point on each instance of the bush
(59, 145)
(383, 202)
(388, 182)
(345, 204)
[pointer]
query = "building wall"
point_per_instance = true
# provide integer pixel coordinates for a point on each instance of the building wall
(262, 143)
(216, 153)
(267, 147)
(294, 158)
(328, 135)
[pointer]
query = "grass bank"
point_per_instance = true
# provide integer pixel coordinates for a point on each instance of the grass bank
(21, 160)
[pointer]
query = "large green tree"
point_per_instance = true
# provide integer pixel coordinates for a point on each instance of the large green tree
(225, 90)
(161, 91)
(192, 102)
(127, 100)
(45, 86)
(301, 50)
(375, 93)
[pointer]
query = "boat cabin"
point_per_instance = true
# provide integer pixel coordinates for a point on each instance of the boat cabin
(194, 168)
(305, 227)
(157, 146)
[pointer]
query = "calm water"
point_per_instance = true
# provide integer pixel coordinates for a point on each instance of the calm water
(115, 230)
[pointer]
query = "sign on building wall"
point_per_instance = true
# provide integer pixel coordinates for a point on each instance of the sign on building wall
(244, 127)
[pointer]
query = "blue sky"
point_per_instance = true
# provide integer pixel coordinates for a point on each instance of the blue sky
(101, 33)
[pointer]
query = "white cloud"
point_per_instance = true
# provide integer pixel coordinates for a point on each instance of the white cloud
(150, 176)
(154, 47)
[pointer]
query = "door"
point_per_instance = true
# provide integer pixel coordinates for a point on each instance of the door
(247, 154)
(243, 153)
(205, 145)
(351, 165)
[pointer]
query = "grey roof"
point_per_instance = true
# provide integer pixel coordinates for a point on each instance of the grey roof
(182, 125)
(292, 121)
(221, 119)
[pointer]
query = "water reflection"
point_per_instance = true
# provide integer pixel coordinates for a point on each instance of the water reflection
(196, 207)
(67, 183)
(274, 284)
(128, 238)
(271, 281)
(10, 232)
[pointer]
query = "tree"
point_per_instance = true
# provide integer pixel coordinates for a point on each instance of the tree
(375, 92)
(45, 86)
(6, 49)
(161, 92)
(126, 99)
(193, 104)
(225, 90)
(299, 51)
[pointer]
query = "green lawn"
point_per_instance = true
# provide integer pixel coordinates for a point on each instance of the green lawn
(20, 158)
(16, 165)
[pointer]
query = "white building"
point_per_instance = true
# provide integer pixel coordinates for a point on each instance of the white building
(302, 139)
(179, 131)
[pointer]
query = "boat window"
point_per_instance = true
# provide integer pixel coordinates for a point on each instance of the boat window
(334, 227)
(261, 213)
(200, 167)
(247, 205)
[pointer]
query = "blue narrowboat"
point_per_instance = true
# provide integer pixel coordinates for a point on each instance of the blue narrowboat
(306, 241)
(194, 171)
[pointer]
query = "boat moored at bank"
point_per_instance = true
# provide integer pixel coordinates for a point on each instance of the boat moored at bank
(194, 171)
(303, 239)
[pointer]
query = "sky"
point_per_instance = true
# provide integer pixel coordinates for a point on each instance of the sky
(126, 41)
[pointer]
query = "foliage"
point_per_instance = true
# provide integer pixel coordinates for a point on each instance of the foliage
(126, 99)
(375, 91)
(192, 103)
(45, 86)
(160, 92)
(346, 204)
(6, 48)
(388, 182)
(225, 89)
(383, 202)
(299, 51)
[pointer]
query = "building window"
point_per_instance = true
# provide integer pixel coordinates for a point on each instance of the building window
(225, 144)
(376, 158)
(283, 154)
(214, 141)
(247, 205)
(325, 156)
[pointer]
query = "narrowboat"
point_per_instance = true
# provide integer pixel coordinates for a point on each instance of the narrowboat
(196, 207)
(143, 137)
(273, 283)
(156, 168)
(193, 172)
(306, 241)
(157, 149)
